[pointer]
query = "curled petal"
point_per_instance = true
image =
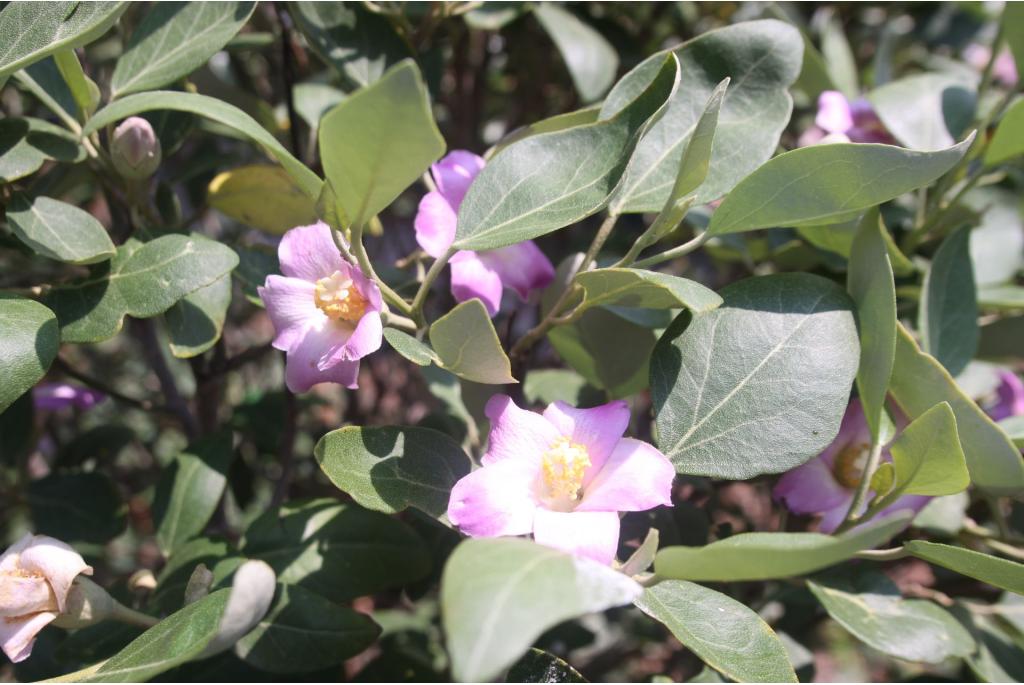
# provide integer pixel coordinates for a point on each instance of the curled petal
(55, 560)
(473, 277)
(592, 534)
(309, 253)
(17, 635)
(811, 489)
(25, 594)
(599, 429)
(435, 224)
(366, 287)
(303, 365)
(365, 339)
(834, 113)
(494, 500)
(516, 434)
(636, 477)
(521, 267)
(292, 308)
(454, 174)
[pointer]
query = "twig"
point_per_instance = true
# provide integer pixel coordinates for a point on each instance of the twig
(145, 331)
(65, 368)
(416, 311)
(287, 450)
(288, 73)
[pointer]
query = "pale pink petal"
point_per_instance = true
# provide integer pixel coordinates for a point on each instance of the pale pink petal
(810, 488)
(291, 305)
(599, 429)
(17, 635)
(1005, 68)
(366, 287)
(9, 561)
(834, 113)
(302, 366)
(309, 252)
(636, 477)
(812, 136)
(834, 516)
(853, 431)
(497, 499)
(1009, 397)
(471, 277)
(366, 338)
(57, 561)
(516, 434)
(435, 224)
(592, 534)
(24, 594)
(454, 174)
(521, 267)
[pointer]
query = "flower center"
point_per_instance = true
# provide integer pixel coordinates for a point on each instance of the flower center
(338, 298)
(562, 468)
(849, 464)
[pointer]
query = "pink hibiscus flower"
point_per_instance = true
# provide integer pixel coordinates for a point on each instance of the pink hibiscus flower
(562, 475)
(325, 312)
(521, 267)
(825, 485)
(841, 121)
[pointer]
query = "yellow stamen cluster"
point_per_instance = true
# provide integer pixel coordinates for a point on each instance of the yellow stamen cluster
(849, 464)
(563, 466)
(338, 298)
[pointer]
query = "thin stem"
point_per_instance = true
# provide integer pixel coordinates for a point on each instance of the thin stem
(684, 249)
(131, 617)
(288, 73)
(998, 516)
(398, 321)
(64, 367)
(146, 333)
(390, 295)
(416, 310)
(989, 71)
(861, 492)
(883, 554)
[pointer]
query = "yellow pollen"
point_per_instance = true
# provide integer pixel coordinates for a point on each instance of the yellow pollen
(563, 467)
(849, 464)
(338, 298)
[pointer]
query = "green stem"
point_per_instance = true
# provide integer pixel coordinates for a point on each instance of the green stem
(861, 493)
(393, 298)
(396, 321)
(678, 251)
(416, 310)
(883, 554)
(131, 617)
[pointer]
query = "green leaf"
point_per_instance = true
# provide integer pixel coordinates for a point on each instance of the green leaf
(640, 288)
(1008, 141)
(928, 457)
(778, 555)
(255, 263)
(58, 230)
(948, 316)
(77, 507)
(924, 111)
(544, 386)
(30, 31)
(143, 280)
(359, 43)
(215, 110)
(221, 558)
(1013, 16)
(838, 238)
(378, 142)
(919, 382)
(760, 384)
(84, 91)
(17, 431)
(338, 551)
(559, 122)
(173, 40)
(1002, 573)
(26, 143)
(262, 196)
(29, 340)
(823, 183)
(1000, 658)
(414, 350)
(869, 606)
(389, 469)
(547, 181)
(762, 59)
(839, 59)
(499, 595)
(1014, 427)
(725, 634)
(538, 666)
(1001, 298)
(304, 632)
(870, 283)
(195, 322)
(190, 489)
(592, 61)
(468, 346)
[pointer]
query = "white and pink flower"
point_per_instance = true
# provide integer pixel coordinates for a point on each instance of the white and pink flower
(562, 475)
(521, 267)
(840, 121)
(36, 574)
(326, 313)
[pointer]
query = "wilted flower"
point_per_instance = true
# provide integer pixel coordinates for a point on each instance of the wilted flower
(841, 121)
(325, 311)
(521, 267)
(1004, 69)
(562, 476)
(135, 149)
(1008, 398)
(52, 396)
(825, 485)
(36, 574)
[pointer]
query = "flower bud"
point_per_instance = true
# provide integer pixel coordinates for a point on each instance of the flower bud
(87, 603)
(135, 149)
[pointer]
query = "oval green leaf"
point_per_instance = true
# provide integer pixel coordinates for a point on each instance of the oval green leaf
(26, 143)
(592, 61)
(195, 322)
(468, 346)
(29, 340)
(927, 455)
(1003, 573)
(58, 230)
(948, 315)
(649, 289)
